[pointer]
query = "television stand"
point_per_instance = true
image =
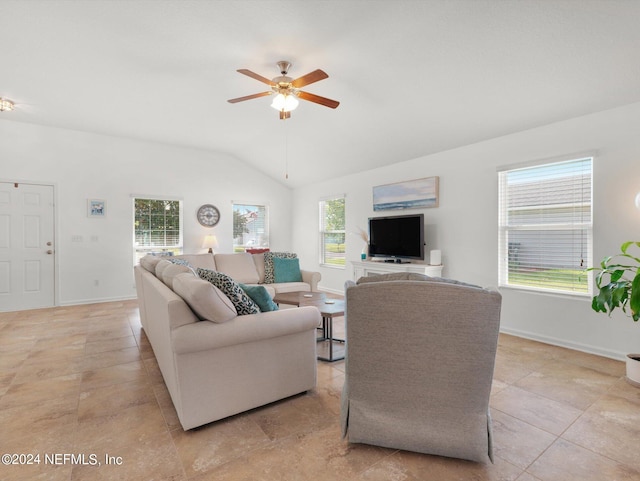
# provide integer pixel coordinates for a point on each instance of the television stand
(369, 268)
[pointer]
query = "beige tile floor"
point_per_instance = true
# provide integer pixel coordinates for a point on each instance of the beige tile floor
(83, 380)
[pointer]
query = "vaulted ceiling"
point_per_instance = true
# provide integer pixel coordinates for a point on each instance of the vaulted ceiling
(413, 77)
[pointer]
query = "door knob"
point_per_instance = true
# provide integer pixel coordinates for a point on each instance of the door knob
(49, 251)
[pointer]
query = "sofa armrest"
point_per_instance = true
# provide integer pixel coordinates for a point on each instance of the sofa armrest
(205, 335)
(311, 278)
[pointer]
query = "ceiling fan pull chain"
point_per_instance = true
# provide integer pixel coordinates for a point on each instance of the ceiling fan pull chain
(286, 151)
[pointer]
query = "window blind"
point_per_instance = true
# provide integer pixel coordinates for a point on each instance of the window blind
(545, 226)
(250, 226)
(157, 226)
(332, 232)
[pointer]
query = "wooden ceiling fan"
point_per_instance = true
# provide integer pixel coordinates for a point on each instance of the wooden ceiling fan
(287, 90)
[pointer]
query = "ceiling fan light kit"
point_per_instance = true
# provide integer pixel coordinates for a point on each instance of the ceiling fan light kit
(287, 90)
(6, 105)
(285, 102)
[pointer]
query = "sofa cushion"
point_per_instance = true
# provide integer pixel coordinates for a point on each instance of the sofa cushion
(260, 296)
(149, 262)
(242, 302)
(240, 267)
(172, 271)
(258, 260)
(286, 270)
(412, 276)
(205, 261)
(205, 299)
(394, 276)
(160, 268)
(269, 277)
(288, 287)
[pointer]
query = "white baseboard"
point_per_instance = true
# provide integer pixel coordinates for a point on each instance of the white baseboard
(95, 301)
(331, 291)
(618, 356)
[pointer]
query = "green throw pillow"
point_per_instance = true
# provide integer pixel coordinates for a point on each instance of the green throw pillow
(260, 296)
(268, 264)
(286, 270)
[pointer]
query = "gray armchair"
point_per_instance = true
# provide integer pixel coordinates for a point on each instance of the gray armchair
(419, 365)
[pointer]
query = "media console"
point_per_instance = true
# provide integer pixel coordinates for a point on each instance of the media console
(369, 268)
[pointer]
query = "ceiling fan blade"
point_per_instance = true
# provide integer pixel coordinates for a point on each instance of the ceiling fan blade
(249, 97)
(254, 75)
(332, 104)
(309, 78)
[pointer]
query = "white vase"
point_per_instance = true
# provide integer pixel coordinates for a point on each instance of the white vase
(633, 369)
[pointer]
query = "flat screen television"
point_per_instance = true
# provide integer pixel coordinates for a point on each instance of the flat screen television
(400, 236)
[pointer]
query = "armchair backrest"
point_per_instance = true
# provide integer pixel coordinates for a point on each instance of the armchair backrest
(419, 368)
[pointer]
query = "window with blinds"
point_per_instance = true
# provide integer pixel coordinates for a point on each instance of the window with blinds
(545, 226)
(157, 227)
(332, 232)
(250, 227)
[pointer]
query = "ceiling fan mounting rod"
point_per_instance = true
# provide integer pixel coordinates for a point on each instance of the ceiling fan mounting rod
(284, 66)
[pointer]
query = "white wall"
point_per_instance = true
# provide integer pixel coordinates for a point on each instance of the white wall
(464, 227)
(86, 166)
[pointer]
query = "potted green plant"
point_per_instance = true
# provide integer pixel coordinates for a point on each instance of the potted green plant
(618, 283)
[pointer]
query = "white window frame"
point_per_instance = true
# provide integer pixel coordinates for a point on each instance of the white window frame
(340, 261)
(558, 235)
(258, 239)
(174, 249)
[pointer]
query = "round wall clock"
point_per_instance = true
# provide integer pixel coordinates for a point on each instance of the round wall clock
(208, 215)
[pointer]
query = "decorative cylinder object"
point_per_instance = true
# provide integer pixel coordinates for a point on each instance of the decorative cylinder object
(435, 258)
(633, 369)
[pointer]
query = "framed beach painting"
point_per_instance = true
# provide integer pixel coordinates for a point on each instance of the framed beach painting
(411, 194)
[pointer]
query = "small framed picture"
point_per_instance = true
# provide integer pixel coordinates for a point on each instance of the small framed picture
(96, 208)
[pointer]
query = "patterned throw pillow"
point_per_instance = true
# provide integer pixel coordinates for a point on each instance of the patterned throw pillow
(241, 301)
(180, 262)
(183, 262)
(269, 275)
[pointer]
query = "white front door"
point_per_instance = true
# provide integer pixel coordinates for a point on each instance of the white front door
(27, 253)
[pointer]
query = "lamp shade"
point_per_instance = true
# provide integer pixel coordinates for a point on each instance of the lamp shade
(210, 242)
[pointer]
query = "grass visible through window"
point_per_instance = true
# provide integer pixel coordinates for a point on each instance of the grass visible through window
(574, 280)
(335, 254)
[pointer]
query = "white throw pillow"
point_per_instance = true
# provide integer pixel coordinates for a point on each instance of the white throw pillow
(205, 299)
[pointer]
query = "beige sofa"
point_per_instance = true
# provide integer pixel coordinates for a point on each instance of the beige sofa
(250, 269)
(225, 364)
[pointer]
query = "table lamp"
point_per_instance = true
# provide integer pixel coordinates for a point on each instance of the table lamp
(210, 242)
